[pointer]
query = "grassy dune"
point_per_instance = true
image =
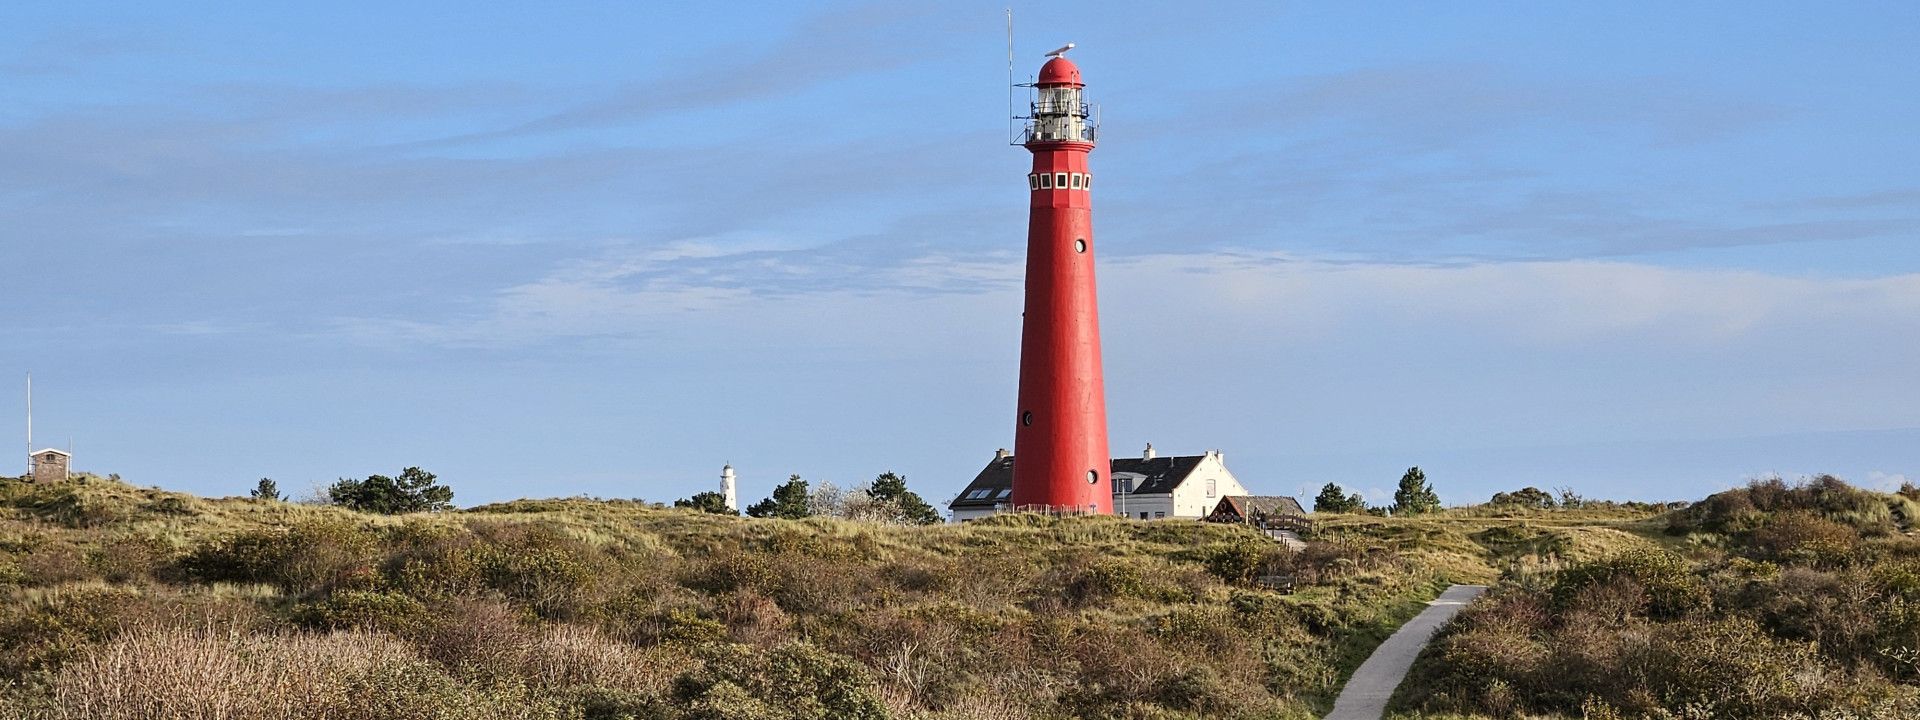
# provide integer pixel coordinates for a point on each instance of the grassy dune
(1771, 601)
(124, 602)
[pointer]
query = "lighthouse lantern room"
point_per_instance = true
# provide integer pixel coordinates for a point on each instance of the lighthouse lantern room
(1059, 110)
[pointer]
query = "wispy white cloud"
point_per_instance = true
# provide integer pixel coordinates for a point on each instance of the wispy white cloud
(1262, 297)
(205, 327)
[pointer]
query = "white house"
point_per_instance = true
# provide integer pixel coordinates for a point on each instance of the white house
(1148, 487)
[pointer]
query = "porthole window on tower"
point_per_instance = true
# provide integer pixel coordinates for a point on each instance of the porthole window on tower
(1080, 245)
(1026, 418)
(1046, 181)
(1060, 180)
(1093, 476)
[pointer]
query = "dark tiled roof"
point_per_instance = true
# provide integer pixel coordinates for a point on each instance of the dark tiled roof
(1158, 476)
(996, 478)
(1247, 505)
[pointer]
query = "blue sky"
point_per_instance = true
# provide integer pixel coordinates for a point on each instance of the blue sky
(1640, 250)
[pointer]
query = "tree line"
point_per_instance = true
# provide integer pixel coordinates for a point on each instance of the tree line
(885, 499)
(1414, 496)
(413, 490)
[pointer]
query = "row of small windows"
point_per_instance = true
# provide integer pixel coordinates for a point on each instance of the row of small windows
(1060, 181)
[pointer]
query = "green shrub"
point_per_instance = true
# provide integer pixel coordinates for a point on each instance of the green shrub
(1741, 511)
(730, 570)
(1241, 561)
(1210, 628)
(538, 565)
(1101, 581)
(1199, 689)
(172, 505)
(690, 627)
(55, 564)
(802, 681)
(308, 557)
(433, 561)
(596, 703)
(364, 609)
(1670, 587)
(128, 559)
(68, 504)
(41, 633)
(1802, 537)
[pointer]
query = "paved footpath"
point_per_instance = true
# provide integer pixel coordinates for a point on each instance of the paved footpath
(1366, 693)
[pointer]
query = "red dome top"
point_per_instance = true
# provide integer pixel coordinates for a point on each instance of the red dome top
(1060, 71)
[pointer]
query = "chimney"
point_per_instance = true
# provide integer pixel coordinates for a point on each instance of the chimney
(1000, 454)
(1148, 455)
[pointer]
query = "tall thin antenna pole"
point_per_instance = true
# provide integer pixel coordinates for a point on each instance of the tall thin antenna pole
(29, 423)
(1010, 115)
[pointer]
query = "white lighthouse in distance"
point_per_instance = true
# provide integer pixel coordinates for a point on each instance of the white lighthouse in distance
(729, 488)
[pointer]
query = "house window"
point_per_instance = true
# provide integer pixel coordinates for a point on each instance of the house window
(1158, 515)
(1143, 515)
(1007, 493)
(1060, 180)
(1046, 181)
(1212, 487)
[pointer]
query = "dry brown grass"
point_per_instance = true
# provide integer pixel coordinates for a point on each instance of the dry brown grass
(572, 655)
(211, 674)
(206, 674)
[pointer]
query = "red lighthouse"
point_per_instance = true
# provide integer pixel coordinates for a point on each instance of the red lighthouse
(1060, 461)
